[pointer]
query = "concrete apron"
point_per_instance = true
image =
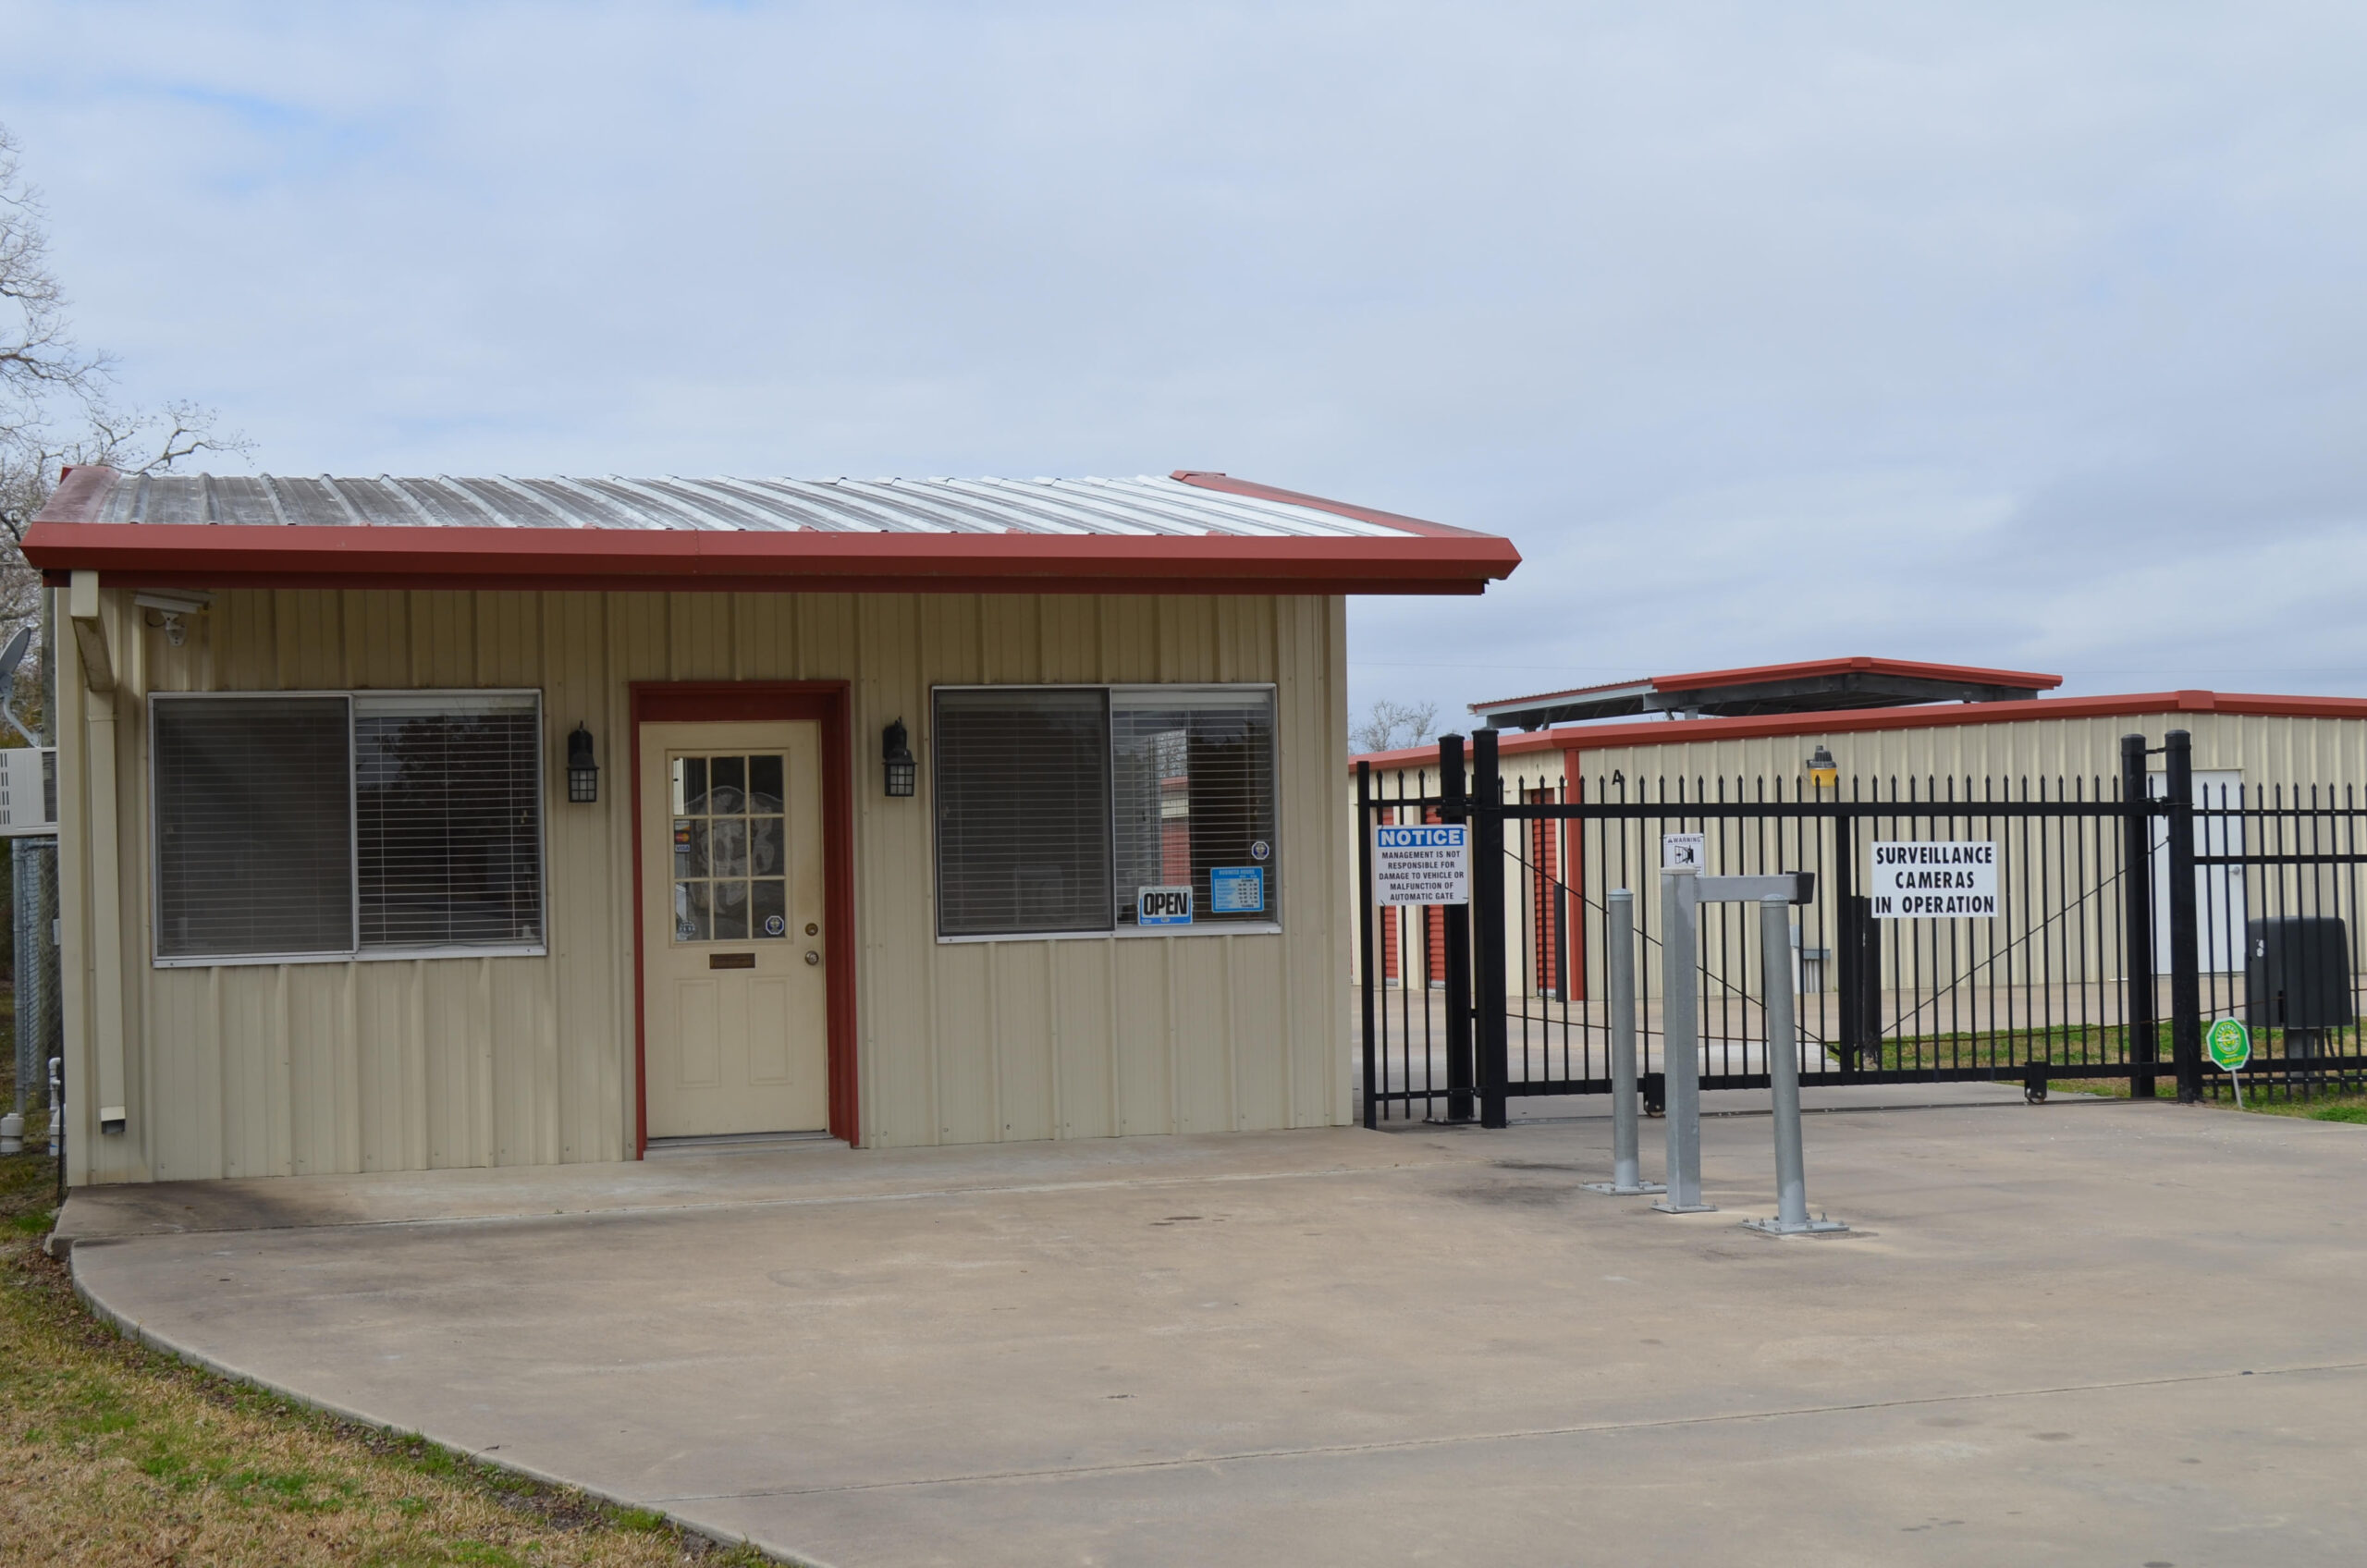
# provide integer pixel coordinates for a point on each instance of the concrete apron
(2083, 1333)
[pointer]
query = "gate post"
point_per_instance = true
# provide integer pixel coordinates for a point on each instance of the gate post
(1870, 984)
(1619, 962)
(2186, 947)
(1784, 1079)
(1454, 921)
(1488, 970)
(1363, 940)
(2137, 917)
(1848, 954)
(1681, 1040)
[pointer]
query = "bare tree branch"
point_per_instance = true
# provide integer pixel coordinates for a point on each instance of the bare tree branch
(54, 406)
(1388, 726)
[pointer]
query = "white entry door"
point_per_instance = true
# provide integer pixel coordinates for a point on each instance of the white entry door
(735, 1004)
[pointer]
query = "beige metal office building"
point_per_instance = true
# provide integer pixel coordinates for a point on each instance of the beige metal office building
(421, 823)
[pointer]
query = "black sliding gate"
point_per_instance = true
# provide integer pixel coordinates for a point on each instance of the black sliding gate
(2127, 921)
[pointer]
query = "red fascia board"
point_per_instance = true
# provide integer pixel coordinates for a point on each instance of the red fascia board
(756, 583)
(1859, 665)
(1754, 674)
(224, 555)
(1206, 480)
(1670, 732)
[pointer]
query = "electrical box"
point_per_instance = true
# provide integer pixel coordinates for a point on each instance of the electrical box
(28, 792)
(2296, 973)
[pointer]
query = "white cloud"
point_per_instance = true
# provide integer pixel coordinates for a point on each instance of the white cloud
(2000, 334)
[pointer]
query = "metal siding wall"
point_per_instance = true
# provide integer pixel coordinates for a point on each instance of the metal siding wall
(281, 1069)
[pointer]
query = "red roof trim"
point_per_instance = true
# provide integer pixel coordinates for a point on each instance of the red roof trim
(1753, 674)
(1859, 663)
(209, 555)
(1669, 732)
(1207, 480)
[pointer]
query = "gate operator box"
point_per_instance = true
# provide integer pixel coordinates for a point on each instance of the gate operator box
(2296, 973)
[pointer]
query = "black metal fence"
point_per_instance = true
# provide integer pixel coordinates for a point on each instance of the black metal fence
(2127, 920)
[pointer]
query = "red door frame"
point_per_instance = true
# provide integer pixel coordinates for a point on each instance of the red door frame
(828, 703)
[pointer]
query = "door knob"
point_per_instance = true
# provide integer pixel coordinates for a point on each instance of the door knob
(812, 956)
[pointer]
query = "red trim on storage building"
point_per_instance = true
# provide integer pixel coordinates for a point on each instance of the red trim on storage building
(1225, 483)
(1584, 737)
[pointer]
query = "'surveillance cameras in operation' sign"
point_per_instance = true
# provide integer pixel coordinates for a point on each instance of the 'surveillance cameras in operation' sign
(1934, 881)
(1422, 863)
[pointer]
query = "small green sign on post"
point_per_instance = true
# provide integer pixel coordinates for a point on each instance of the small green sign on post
(2229, 1045)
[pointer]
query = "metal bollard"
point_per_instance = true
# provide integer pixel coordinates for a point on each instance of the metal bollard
(1784, 1079)
(1626, 1168)
(1681, 1042)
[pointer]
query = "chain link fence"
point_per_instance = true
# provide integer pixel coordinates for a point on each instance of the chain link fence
(33, 864)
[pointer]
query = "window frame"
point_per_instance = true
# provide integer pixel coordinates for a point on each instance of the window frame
(356, 952)
(1111, 692)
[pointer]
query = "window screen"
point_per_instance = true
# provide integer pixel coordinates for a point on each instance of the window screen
(1194, 774)
(1022, 778)
(447, 827)
(254, 826)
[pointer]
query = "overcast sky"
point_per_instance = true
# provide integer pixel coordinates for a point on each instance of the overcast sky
(2018, 335)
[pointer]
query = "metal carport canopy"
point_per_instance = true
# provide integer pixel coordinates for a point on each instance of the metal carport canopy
(1189, 532)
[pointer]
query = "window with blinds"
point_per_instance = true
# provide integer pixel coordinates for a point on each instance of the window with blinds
(1194, 798)
(448, 823)
(1057, 806)
(1023, 810)
(254, 825)
(369, 824)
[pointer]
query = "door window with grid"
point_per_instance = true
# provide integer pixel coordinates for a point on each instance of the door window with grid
(731, 854)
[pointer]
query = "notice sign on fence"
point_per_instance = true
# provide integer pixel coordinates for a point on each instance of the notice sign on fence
(1931, 881)
(1422, 863)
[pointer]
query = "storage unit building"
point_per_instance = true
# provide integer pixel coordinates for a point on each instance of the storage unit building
(1986, 735)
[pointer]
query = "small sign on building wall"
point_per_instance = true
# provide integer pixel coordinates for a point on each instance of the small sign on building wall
(1934, 881)
(1237, 890)
(1163, 906)
(1422, 863)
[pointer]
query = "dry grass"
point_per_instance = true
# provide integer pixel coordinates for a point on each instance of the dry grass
(112, 1455)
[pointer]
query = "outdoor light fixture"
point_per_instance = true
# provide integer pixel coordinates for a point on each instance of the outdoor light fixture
(896, 750)
(1823, 772)
(582, 773)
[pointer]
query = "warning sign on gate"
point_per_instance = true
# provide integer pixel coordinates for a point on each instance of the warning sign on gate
(1422, 863)
(1934, 881)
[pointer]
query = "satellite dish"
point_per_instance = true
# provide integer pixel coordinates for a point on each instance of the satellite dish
(14, 654)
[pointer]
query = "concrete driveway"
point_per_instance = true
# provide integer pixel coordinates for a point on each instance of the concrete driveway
(2087, 1332)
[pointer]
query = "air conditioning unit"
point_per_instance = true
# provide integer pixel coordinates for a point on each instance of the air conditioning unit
(28, 792)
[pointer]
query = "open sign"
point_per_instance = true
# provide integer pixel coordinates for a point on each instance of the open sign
(1163, 906)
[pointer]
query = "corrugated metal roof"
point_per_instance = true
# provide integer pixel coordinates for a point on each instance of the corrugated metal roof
(1149, 505)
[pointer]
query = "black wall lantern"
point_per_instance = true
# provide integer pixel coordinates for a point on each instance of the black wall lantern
(896, 750)
(582, 773)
